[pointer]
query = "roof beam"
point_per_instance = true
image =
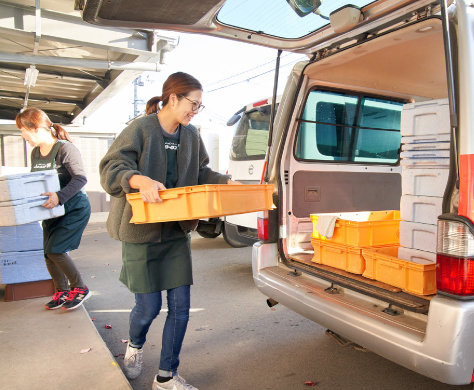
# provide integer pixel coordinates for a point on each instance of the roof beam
(62, 74)
(79, 62)
(39, 98)
(73, 30)
(55, 116)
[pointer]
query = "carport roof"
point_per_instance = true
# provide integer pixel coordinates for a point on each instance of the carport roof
(80, 66)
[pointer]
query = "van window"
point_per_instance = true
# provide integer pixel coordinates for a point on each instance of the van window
(251, 135)
(349, 128)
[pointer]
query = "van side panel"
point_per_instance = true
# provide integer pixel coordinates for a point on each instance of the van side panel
(341, 192)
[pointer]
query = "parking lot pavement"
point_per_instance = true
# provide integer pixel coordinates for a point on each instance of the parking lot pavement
(234, 340)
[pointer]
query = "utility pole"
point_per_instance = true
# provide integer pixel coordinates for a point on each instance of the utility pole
(137, 83)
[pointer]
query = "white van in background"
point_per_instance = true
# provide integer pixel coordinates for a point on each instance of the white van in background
(246, 161)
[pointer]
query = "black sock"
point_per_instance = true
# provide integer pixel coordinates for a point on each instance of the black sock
(163, 379)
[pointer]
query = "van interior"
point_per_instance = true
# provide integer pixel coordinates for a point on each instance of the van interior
(330, 171)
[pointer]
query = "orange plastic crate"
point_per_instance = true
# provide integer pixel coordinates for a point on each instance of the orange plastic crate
(204, 201)
(339, 256)
(383, 264)
(364, 229)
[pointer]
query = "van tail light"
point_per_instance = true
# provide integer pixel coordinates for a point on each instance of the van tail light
(455, 257)
(262, 225)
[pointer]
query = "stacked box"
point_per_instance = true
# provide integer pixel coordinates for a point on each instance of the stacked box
(21, 238)
(425, 160)
(21, 254)
(21, 267)
(21, 235)
(21, 200)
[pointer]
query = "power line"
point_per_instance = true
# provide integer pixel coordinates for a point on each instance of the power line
(246, 71)
(250, 78)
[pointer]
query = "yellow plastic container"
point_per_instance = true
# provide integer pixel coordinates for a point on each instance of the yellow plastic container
(203, 201)
(339, 256)
(364, 229)
(382, 264)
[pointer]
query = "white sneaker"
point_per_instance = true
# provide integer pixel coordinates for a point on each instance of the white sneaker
(132, 362)
(175, 383)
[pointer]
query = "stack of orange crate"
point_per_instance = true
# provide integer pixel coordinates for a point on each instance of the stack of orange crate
(354, 232)
(367, 244)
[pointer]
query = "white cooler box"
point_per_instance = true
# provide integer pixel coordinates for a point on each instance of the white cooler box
(427, 182)
(416, 256)
(423, 209)
(22, 267)
(21, 238)
(425, 118)
(420, 236)
(22, 211)
(28, 185)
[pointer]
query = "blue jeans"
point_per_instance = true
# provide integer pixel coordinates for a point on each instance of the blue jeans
(147, 307)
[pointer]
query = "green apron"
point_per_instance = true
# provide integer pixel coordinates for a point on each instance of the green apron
(164, 265)
(63, 234)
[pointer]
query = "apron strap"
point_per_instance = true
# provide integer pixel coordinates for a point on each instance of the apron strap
(55, 151)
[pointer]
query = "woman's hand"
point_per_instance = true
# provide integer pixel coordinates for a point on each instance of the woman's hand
(233, 182)
(148, 188)
(53, 200)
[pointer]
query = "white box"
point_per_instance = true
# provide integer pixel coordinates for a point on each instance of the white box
(424, 139)
(416, 256)
(22, 211)
(428, 182)
(424, 154)
(21, 238)
(429, 163)
(423, 209)
(425, 118)
(429, 138)
(28, 185)
(22, 267)
(418, 236)
(422, 146)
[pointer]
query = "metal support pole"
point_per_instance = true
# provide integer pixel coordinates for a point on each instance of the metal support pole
(450, 77)
(272, 115)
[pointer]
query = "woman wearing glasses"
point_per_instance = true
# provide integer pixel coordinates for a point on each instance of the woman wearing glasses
(161, 150)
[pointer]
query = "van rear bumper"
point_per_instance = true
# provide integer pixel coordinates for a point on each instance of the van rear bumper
(442, 350)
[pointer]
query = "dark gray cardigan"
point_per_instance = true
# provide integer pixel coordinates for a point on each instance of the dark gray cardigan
(140, 149)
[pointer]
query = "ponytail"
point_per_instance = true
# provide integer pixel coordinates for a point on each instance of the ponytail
(34, 118)
(59, 132)
(152, 106)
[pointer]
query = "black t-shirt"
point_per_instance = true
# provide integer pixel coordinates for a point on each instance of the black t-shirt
(171, 230)
(171, 147)
(70, 168)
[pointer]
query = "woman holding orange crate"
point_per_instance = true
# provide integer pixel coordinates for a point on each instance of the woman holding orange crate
(159, 151)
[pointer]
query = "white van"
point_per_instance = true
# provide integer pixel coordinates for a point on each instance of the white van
(383, 78)
(246, 161)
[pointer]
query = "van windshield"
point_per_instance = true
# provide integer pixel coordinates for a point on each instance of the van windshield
(343, 127)
(251, 135)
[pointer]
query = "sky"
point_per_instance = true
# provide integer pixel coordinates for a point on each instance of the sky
(233, 74)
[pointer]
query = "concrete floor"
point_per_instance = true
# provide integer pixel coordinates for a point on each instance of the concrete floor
(41, 349)
(234, 340)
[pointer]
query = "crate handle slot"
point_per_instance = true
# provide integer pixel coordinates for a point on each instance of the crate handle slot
(335, 250)
(169, 196)
(389, 264)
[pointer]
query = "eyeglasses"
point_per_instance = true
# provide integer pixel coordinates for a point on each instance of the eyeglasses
(196, 105)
